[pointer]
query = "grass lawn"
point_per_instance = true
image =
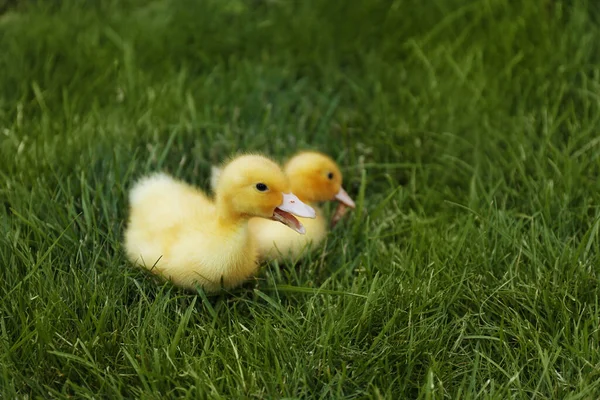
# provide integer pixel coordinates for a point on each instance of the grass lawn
(467, 130)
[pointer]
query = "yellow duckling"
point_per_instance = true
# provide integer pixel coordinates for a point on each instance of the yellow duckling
(177, 232)
(314, 177)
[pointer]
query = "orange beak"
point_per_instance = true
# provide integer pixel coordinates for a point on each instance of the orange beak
(343, 198)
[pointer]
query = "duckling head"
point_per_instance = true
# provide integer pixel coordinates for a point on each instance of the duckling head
(315, 177)
(254, 186)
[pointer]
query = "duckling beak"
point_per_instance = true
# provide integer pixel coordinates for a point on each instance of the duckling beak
(292, 205)
(343, 198)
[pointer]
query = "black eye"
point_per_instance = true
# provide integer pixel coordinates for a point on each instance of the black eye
(261, 187)
(330, 175)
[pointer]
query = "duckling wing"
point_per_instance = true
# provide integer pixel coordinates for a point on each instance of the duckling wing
(161, 208)
(215, 174)
(165, 199)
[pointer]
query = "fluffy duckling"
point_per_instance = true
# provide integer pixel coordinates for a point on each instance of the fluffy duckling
(177, 232)
(314, 178)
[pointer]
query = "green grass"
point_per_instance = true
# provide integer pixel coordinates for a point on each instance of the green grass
(468, 130)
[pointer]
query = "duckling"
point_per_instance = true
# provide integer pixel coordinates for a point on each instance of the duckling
(177, 232)
(314, 177)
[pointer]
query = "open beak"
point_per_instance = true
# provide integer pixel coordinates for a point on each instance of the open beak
(343, 198)
(292, 205)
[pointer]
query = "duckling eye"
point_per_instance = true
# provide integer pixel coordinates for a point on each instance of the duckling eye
(330, 175)
(261, 187)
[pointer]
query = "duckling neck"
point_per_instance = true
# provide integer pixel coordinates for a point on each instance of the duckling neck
(226, 217)
(308, 200)
(303, 190)
(299, 192)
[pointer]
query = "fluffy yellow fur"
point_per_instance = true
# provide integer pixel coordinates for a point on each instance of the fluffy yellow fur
(274, 242)
(177, 232)
(309, 174)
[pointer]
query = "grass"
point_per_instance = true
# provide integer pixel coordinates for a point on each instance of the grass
(468, 130)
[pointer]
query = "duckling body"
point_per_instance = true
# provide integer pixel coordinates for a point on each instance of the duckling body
(178, 238)
(275, 243)
(177, 232)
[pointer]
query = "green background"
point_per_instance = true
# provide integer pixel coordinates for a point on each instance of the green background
(467, 132)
